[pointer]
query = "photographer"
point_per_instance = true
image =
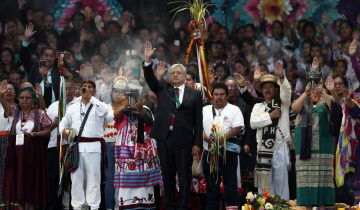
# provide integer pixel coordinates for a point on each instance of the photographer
(318, 113)
(91, 112)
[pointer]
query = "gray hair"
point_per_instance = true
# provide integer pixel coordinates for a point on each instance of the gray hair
(178, 65)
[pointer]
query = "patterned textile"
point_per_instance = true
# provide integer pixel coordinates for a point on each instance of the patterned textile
(4, 142)
(138, 198)
(345, 150)
(266, 150)
(314, 184)
(137, 168)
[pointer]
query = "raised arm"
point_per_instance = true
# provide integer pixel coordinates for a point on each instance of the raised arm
(285, 88)
(355, 63)
(149, 75)
(24, 50)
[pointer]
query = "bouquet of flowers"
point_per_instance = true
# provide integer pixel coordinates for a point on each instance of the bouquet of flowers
(264, 201)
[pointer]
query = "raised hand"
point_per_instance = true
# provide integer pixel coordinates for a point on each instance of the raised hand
(279, 71)
(29, 32)
(330, 83)
(161, 69)
(3, 87)
(148, 52)
(86, 70)
(38, 89)
(257, 73)
(239, 79)
(353, 47)
(315, 64)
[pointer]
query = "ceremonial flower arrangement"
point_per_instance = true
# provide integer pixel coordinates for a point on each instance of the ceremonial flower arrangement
(264, 201)
(218, 141)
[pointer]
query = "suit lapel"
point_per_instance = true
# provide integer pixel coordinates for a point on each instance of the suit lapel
(171, 92)
(186, 96)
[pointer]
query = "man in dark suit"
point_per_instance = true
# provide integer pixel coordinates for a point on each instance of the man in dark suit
(46, 73)
(177, 129)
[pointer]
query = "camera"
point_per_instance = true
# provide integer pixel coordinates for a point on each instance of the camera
(83, 90)
(42, 63)
(131, 95)
(313, 77)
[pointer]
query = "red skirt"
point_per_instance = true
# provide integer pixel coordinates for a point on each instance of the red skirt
(26, 171)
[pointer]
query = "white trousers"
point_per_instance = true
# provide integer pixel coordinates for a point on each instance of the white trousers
(279, 173)
(85, 188)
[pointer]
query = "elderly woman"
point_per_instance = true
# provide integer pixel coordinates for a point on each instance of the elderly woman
(26, 162)
(5, 126)
(314, 146)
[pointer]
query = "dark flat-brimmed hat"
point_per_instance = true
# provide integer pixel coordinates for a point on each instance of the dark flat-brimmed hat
(268, 78)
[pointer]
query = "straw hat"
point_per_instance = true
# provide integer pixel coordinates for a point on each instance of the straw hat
(268, 78)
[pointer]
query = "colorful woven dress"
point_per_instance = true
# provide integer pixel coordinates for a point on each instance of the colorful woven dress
(314, 184)
(137, 167)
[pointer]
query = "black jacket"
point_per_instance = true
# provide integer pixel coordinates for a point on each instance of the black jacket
(187, 129)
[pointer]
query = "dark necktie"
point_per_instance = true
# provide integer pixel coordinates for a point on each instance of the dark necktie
(177, 91)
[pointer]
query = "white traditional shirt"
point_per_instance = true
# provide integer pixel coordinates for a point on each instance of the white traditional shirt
(110, 132)
(260, 117)
(5, 122)
(53, 112)
(94, 126)
(229, 117)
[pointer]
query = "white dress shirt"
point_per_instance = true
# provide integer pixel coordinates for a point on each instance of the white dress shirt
(53, 112)
(94, 126)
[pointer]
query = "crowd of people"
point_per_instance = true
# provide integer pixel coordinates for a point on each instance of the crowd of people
(285, 107)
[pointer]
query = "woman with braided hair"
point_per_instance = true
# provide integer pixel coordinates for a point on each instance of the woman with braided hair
(26, 163)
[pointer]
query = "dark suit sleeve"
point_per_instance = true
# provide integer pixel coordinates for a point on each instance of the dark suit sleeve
(198, 121)
(249, 134)
(150, 79)
(25, 58)
(250, 99)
